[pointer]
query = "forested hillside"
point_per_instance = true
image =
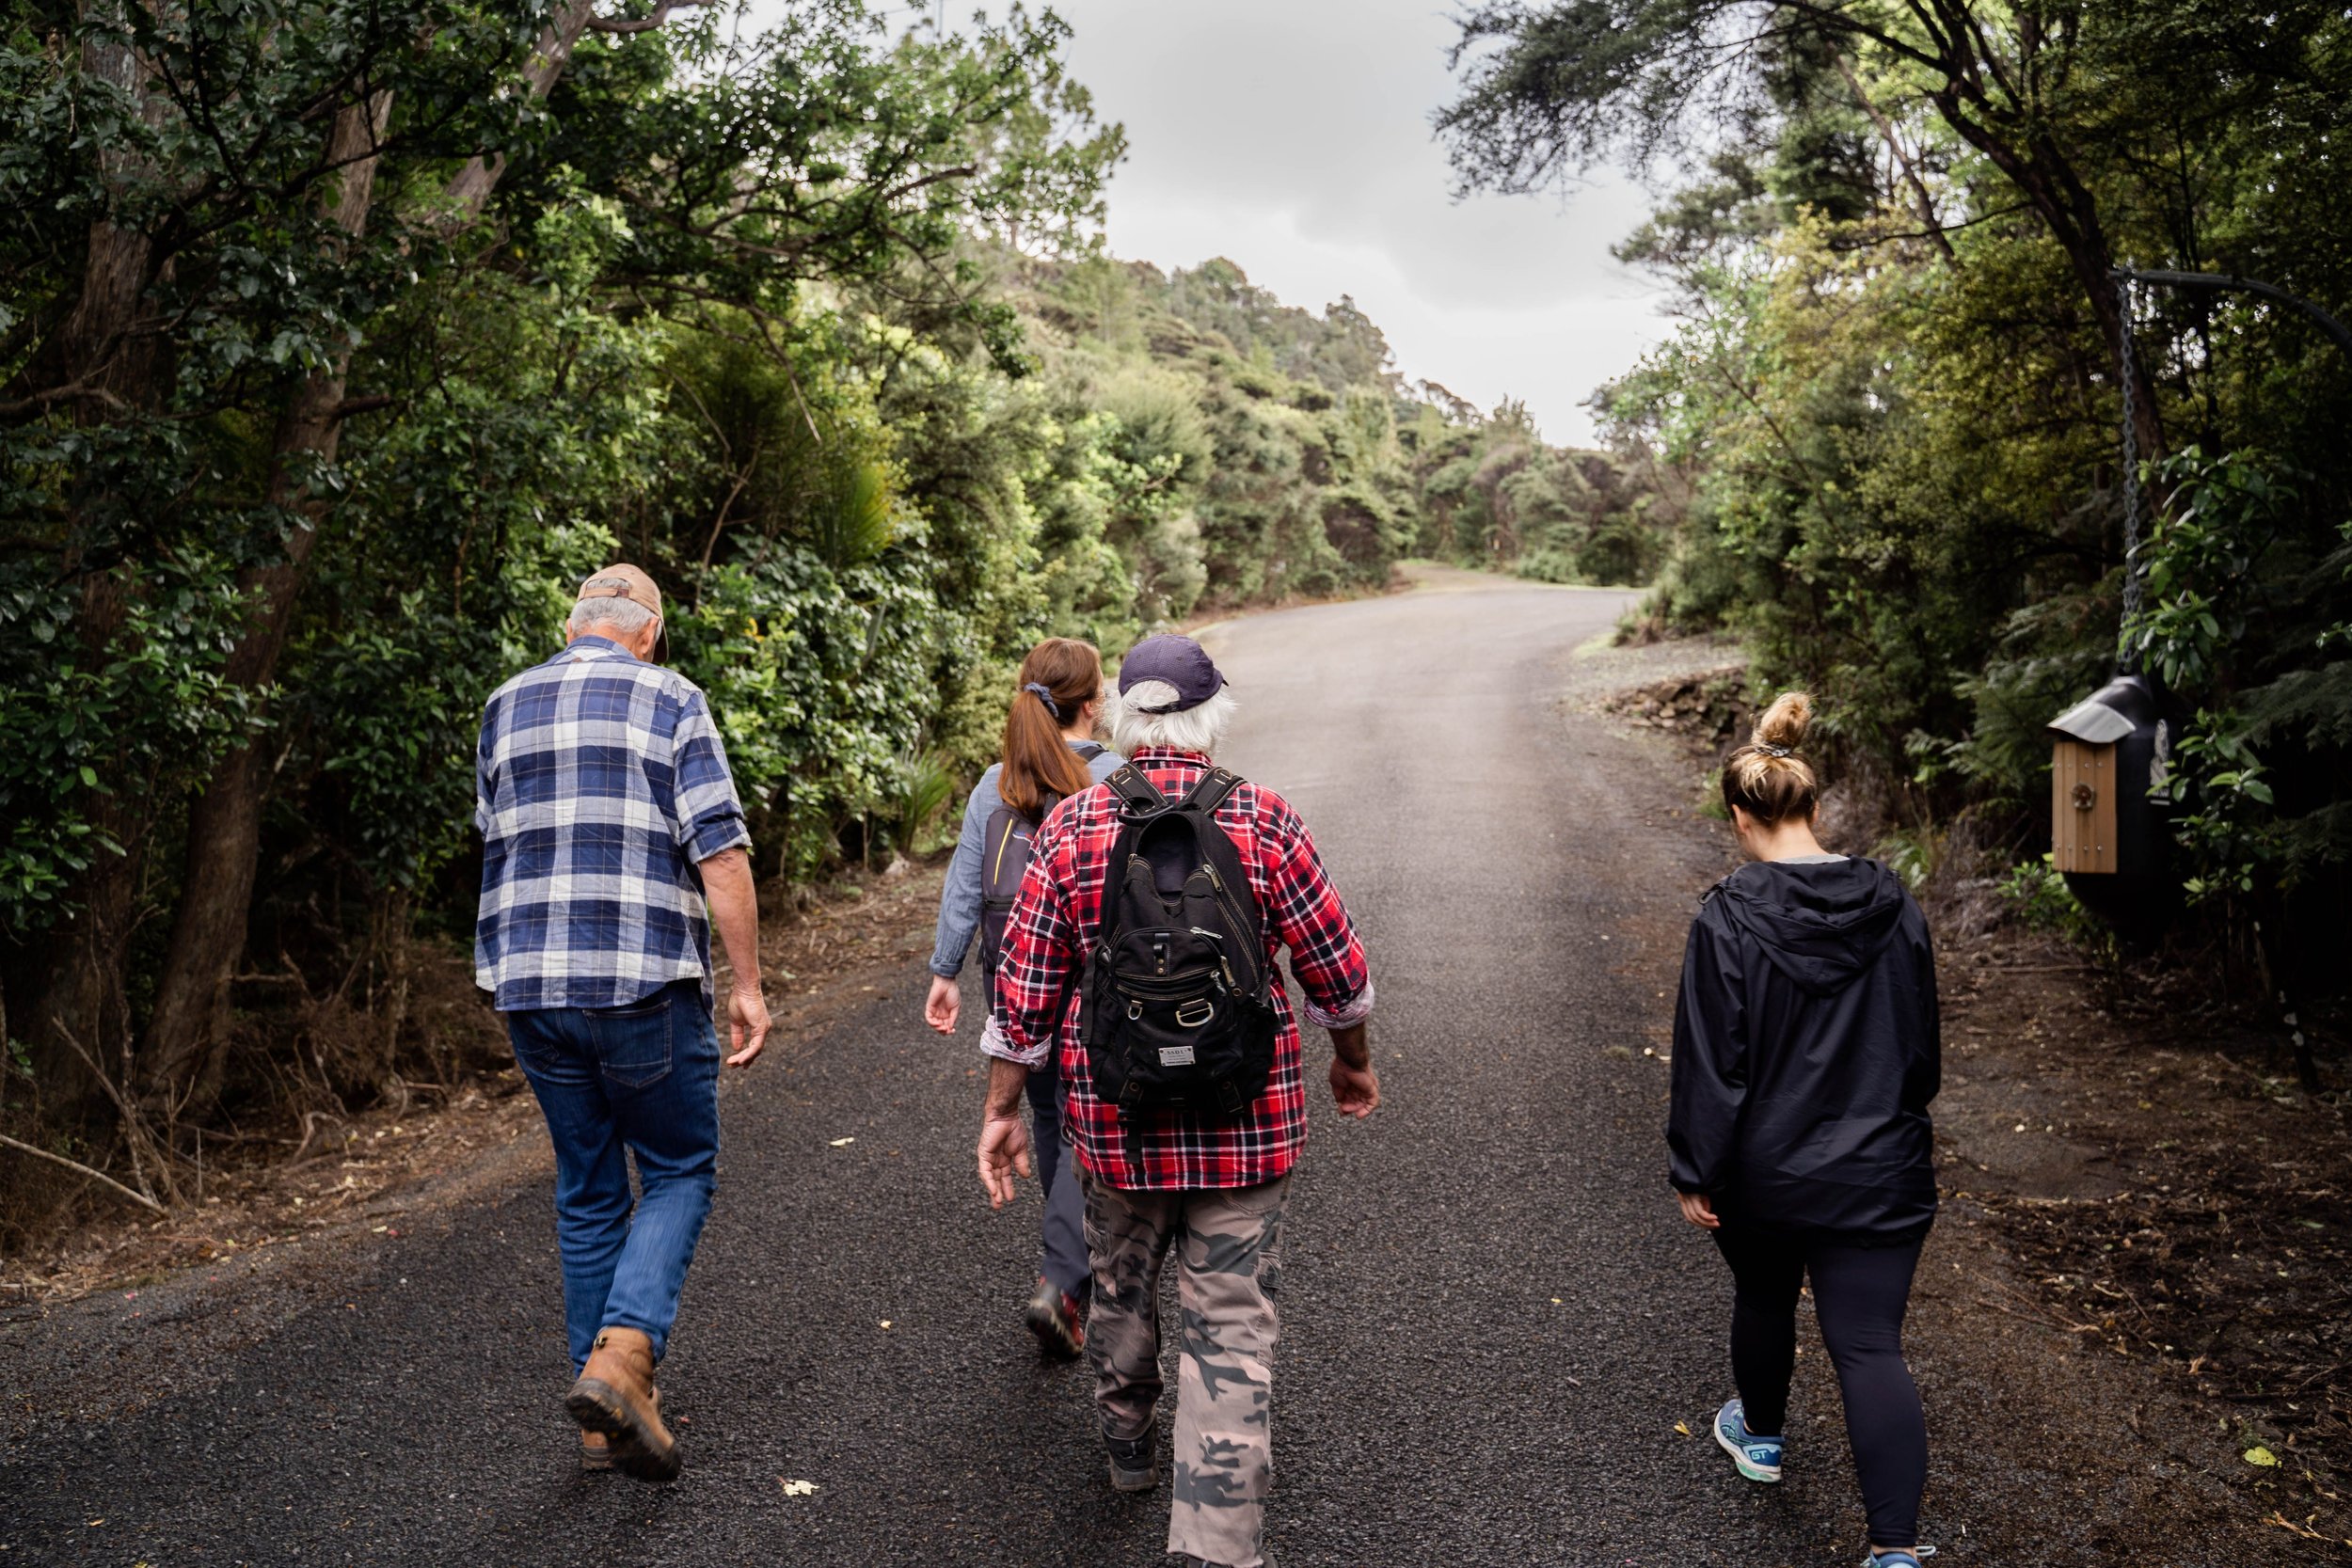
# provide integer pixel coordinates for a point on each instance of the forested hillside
(338, 342)
(1304, 461)
(1896, 401)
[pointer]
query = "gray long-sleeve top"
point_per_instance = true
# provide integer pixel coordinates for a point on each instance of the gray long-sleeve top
(960, 900)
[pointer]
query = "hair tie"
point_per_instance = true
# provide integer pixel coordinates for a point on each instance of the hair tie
(1047, 698)
(1771, 751)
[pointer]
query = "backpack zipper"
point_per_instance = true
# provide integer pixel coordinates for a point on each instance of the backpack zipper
(1233, 915)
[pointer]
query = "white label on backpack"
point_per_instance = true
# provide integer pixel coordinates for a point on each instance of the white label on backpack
(1175, 1056)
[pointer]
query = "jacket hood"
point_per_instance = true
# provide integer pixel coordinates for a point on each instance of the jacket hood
(1821, 923)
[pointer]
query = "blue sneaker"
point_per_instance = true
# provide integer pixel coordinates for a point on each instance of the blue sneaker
(1758, 1458)
(1899, 1557)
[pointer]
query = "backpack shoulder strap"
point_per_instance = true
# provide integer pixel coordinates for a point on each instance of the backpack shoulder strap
(1209, 793)
(1087, 751)
(996, 837)
(1141, 796)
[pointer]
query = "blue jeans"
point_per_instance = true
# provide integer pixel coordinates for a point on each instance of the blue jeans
(1065, 1264)
(641, 1079)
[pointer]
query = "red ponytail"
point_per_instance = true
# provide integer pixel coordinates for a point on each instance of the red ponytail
(1038, 763)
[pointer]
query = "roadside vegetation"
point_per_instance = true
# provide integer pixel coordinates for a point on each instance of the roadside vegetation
(1889, 425)
(338, 341)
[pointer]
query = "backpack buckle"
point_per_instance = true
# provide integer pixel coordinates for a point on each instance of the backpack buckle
(1186, 1018)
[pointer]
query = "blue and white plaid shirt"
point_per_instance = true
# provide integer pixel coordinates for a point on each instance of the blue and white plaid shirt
(600, 785)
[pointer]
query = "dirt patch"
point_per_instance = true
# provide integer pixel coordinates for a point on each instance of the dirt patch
(2170, 1194)
(1707, 708)
(2128, 1166)
(824, 950)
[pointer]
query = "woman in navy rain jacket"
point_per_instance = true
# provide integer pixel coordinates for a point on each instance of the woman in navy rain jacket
(1806, 1050)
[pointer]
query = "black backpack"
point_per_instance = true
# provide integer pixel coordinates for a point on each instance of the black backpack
(1005, 859)
(1176, 1010)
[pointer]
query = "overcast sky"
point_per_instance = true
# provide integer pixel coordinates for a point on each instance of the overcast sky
(1293, 137)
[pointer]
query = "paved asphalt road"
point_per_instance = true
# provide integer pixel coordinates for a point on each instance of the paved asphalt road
(1492, 1318)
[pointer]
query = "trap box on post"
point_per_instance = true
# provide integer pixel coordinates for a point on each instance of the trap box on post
(2108, 753)
(2082, 805)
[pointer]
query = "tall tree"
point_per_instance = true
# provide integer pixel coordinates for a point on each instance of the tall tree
(1547, 89)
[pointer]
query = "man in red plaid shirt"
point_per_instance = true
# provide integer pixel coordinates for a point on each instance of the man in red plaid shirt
(1211, 1187)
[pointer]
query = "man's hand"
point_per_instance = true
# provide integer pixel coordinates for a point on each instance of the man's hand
(1355, 1086)
(1004, 1138)
(1699, 1210)
(1355, 1090)
(1004, 1149)
(735, 911)
(747, 1024)
(944, 1006)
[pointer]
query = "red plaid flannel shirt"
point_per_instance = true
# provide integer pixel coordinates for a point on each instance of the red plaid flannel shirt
(1045, 958)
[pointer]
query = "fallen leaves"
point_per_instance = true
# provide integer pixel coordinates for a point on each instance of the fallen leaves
(841, 1143)
(797, 1488)
(1683, 1426)
(2303, 1529)
(2262, 1456)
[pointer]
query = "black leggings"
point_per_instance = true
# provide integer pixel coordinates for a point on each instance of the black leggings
(1859, 1294)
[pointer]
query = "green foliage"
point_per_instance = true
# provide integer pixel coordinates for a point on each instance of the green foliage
(340, 341)
(2223, 808)
(2229, 595)
(925, 788)
(97, 717)
(2223, 513)
(1913, 854)
(2037, 893)
(1882, 439)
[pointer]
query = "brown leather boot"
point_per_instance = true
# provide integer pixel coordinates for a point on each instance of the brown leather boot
(614, 1395)
(595, 1451)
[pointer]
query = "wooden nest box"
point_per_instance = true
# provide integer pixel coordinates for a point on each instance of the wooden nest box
(2108, 751)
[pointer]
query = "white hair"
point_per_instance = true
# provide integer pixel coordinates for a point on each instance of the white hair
(1200, 728)
(626, 616)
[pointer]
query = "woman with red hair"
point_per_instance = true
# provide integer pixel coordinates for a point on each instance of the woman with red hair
(1050, 753)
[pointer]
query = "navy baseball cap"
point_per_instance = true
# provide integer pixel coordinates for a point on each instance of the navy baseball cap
(1177, 660)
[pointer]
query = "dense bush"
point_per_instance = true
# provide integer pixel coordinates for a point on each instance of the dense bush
(1889, 419)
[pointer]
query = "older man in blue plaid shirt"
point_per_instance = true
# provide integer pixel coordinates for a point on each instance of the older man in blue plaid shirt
(609, 822)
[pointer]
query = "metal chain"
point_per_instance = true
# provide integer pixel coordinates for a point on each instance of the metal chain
(2131, 472)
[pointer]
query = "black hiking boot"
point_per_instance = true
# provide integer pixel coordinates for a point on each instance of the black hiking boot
(1135, 1460)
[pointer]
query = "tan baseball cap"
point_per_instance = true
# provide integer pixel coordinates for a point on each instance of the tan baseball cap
(621, 580)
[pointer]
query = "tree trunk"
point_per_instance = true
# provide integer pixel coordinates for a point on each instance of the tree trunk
(76, 982)
(191, 1017)
(95, 345)
(472, 186)
(190, 1020)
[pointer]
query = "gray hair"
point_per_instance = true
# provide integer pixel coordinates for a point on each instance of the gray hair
(1200, 728)
(625, 616)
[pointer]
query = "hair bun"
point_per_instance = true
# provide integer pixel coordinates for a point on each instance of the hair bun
(1783, 724)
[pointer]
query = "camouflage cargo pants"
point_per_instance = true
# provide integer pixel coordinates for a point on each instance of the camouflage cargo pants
(1228, 1246)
